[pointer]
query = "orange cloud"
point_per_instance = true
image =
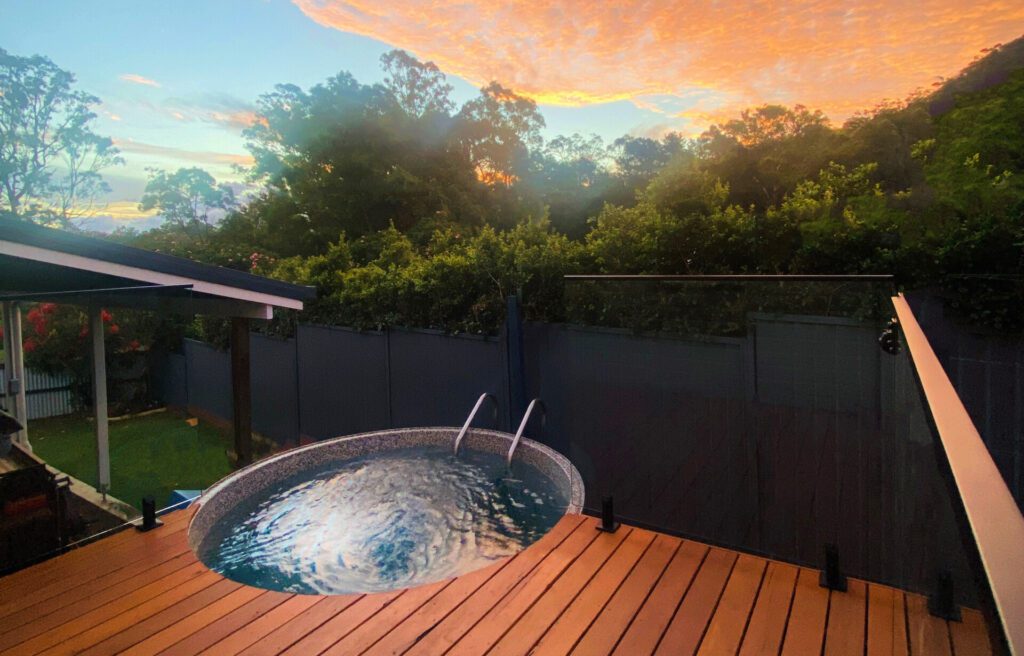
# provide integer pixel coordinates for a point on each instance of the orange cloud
(138, 79)
(836, 56)
(240, 119)
(220, 109)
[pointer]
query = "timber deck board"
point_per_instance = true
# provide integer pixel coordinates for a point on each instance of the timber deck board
(577, 590)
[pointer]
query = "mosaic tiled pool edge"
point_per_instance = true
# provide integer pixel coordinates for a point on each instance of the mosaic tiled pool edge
(218, 499)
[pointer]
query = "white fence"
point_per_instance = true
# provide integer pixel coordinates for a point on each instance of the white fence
(46, 395)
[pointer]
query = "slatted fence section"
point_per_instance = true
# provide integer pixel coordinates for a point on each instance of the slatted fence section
(47, 395)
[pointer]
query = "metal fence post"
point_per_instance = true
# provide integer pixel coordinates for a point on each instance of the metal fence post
(514, 351)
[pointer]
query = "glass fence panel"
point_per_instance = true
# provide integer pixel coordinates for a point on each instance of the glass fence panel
(759, 415)
(93, 455)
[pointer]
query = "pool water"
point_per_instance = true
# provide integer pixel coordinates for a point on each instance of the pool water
(384, 521)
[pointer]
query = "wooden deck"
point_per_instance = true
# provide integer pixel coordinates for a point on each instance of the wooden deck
(576, 591)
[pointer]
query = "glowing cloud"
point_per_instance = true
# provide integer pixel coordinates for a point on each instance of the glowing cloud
(138, 79)
(710, 56)
(125, 210)
(219, 109)
(196, 157)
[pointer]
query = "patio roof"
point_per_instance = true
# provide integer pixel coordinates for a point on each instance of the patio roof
(37, 260)
(43, 264)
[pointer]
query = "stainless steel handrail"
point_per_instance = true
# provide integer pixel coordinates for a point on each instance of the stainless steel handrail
(469, 419)
(522, 426)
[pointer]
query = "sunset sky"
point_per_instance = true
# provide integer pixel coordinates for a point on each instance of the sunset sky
(178, 79)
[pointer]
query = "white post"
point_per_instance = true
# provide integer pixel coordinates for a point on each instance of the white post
(99, 396)
(5, 381)
(14, 371)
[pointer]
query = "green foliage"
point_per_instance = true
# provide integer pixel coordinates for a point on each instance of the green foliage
(403, 211)
(457, 282)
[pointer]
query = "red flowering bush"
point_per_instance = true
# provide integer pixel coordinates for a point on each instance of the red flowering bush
(56, 339)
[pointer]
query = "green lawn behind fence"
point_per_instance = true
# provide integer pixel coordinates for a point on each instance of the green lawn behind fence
(150, 455)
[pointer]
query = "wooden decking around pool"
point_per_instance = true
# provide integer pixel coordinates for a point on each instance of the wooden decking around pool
(577, 591)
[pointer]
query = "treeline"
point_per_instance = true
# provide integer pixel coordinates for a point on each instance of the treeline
(403, 209)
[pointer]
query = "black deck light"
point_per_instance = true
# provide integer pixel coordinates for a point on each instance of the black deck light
(149, 520)
(832, 577)
(942, 602)
(608, 523)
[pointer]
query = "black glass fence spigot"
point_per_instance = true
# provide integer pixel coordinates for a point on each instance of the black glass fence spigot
(889, 340)
(831, 576)
(149, 520)
(942, 602)
(608, 523)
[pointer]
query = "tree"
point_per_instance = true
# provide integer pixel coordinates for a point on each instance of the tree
(289, 119)
(766, 123)
(83, 159)
(498, 128)
(50, 159)
(638, 159)
(571, 178)
(419, 88)
(764, 153)
(188, 198)
(345, 157)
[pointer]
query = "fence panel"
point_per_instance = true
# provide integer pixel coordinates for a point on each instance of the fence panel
(436, 378)
(208, 372)
(275, 388)
(343, 385)
(46, 395)
(600, 384)
(170, 378)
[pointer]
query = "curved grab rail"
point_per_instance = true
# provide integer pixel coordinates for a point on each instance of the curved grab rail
(522, 426)
(472, 414)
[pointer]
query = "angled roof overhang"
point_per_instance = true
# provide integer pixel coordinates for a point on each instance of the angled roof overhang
(39, 263)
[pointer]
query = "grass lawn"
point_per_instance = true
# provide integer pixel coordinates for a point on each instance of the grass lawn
(150, 455)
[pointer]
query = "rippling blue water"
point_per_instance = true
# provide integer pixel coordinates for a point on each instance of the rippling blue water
(384, 521)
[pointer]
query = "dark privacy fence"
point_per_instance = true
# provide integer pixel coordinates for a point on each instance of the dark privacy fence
(793, 432)
(330, 381)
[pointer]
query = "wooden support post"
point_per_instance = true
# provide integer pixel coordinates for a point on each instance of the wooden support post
(240, 389)
(99, 398)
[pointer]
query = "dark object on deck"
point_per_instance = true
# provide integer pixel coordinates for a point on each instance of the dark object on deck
(942, 602)
(889, 340)
(608, 523)
(9, 425)
(34, 515)
(149, 520)
(831, 577)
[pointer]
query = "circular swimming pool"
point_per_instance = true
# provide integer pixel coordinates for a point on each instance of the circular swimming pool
(381, 511)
